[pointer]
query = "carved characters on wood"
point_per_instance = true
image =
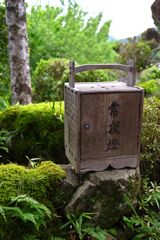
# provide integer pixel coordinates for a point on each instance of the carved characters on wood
(113, 144)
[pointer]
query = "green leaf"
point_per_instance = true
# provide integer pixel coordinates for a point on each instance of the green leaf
(139, 236)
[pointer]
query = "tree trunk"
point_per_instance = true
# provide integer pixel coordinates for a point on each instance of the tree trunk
(18, 52)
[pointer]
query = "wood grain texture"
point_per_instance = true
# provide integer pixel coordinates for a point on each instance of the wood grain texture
(132, 73)
(100, 164)
(130, 69)
(83, 68)
(71, 126)
(109, 136)
(140, 123)
(104, 87)
(103, 123)
(72, 74)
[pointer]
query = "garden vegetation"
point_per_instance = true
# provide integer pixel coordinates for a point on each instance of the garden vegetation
(32, 136)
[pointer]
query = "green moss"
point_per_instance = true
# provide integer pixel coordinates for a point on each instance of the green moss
(37, 183)
(37, 130)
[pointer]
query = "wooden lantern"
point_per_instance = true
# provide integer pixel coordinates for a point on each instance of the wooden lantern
(103, 120)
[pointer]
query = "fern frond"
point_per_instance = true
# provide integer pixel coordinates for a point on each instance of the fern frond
(30, 237)
(32, 211)
(2, 212)
(98, 233)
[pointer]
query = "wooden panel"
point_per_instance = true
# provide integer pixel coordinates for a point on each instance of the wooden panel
(114, 125)
(132, 74)
(101, 164)
(105, 87)
(140, 120)
(71, 126)
(71, 74)
(87, 67)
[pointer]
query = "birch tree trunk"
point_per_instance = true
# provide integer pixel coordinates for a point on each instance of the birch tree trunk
(18, 52)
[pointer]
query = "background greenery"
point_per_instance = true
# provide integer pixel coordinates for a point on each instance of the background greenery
(55, 36)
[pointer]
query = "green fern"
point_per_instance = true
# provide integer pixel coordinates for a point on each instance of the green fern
(3, 140)
(30, 237)
(2, 212)
(98, 233)
(29, 210)
(57, 238)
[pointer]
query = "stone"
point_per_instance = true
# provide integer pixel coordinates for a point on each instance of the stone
(109, 203)
(81, 198)
(102, 193)
(64, 190)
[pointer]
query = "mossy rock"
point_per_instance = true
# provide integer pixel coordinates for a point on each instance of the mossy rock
(37, 131)
(16, 179)
(37, 183)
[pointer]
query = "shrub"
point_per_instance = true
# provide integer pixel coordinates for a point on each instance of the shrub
(150, 73)
(38, 131)
(45, 77)
(88, 76)
(150, 81)
(50, 75)
(150, 157)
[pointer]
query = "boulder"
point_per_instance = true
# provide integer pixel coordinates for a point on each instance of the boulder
(100, 193)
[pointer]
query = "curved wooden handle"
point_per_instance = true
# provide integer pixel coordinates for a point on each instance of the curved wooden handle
(130, 68)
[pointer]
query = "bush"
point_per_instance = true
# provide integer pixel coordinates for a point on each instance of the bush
(45, 77)
(49, 78)
(150, 73)
(37, 129)
(150, 157)
(88, 76)
(150, 81)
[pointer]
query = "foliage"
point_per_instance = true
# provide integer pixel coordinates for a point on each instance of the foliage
(88, 76)
(5, 97)
(39, 130)
(49, 78)
(147, 222)
(4, 103)
(150, 86)
(4, 140)
(150, 81)
(150, 73)
(28, 210)
(4, 63)
(19, 181)
(55, 32)
(33, 162)
(98, 233)
(151, 33)
(30, 237)
(143, 52)
(45, 78)
(150, 148)
(4, 53)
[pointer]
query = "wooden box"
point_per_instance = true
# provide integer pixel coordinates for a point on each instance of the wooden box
(103, 121)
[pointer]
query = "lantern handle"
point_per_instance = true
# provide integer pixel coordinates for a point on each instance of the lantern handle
(130, 68)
